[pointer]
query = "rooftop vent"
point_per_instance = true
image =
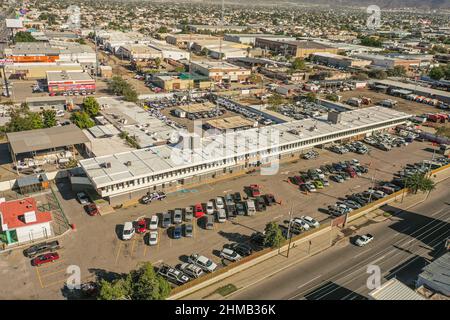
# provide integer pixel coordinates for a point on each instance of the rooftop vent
(128, 163)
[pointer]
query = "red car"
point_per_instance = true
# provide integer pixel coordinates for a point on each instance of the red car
(91, 209)
(254, 189)
(198, 211)
(141, 226)
(297, 180)
(45, 258)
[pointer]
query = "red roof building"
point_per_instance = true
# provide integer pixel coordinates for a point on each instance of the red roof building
(21, 221)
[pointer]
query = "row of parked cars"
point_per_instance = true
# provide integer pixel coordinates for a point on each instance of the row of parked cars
(246, 112)
(317, 178)
(43, 253)
(386, 142)
(357, 147)
(312, 154)
(89, 206)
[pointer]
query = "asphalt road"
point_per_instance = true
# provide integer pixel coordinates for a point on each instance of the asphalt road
(401, 248)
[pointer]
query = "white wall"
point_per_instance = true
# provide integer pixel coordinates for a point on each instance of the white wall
(33, 232)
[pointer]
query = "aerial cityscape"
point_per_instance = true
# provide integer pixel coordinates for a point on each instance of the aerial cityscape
(224, 150)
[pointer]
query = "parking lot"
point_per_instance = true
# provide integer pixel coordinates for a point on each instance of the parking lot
(95, 245)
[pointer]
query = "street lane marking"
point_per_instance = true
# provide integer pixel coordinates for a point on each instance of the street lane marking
(309, 281)
(118, 252)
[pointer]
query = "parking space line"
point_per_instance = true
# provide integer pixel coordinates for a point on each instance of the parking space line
(133, 244)
(39, 277)
(145, 248)
(118, 252)
(48, 265)
(54, 282)
(52, 273)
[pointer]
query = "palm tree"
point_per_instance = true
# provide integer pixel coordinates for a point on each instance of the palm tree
(419, 182)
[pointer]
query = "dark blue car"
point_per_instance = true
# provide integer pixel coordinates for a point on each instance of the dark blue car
(176, 232)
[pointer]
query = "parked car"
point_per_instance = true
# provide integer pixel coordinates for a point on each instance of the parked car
(153, 238)
(203, 262)
(221, 215)
(177, 216)
(153, 225)
(242, 249)
(191, 270)
(176, 232)
(269, 199)
(220, 204)
(128, 231)
(251, 208)
(91, 209)
(230, 254)
(361, 241)
(83, 198)
(141, 226)
(260, 204)
(301, 223)
(45, 258)
(198, 211)
(209, 207)
(188, 230)
(310, 221)
(237, 197)
(189, 213)
(208, 222)
(173, 275)
(40, 248)
(166, 220)
(240, 209)
(254, 190)
(258, 239)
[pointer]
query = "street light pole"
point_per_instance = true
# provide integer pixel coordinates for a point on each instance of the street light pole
(289, 231)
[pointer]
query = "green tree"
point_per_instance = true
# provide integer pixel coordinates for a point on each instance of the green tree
(443, 131)
(82, 120)
(378, 74)
(397, 71)
(275, 100)
(140, 284)
(115, 290)
(298, 64)
(91, 106)
(332, 97)
(436, 73)
(157, 62)
(419, 182)
(311, 97)
(163, 29)
(129, 94)
(23, 36)
(273, 235)
(49, 118)
(371, 42)
(179, 69)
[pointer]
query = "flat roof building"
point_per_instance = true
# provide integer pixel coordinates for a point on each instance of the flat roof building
(70, 82)
(230, 123)
(220, 70)
(436, 275)
(395, 290)
(339, 61)
(299, 49)
(250, 38)
(124, 176)
(184, 41)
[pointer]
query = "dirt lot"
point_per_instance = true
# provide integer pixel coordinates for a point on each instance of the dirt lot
(403, 105)
(96, 248)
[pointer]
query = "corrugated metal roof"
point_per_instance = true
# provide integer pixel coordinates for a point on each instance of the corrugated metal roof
(395, 290)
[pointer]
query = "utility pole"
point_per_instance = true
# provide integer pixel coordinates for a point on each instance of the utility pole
(289, 231)
(96, 51)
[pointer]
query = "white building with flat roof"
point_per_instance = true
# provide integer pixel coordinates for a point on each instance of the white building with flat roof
(124, 176)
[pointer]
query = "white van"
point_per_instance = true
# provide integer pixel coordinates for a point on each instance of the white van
(251, 209)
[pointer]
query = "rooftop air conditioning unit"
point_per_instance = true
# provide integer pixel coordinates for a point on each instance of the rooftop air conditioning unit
(128, 163)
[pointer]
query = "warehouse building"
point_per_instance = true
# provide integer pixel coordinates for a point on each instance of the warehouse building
(32, 70)
(138, 52)
(339, 61)
(298, 49)
(387, 62)
(234, 123)
(220, 71)
(435, 276)
(251, 38)
(70, 83)
(125, 176)
(184, 41)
